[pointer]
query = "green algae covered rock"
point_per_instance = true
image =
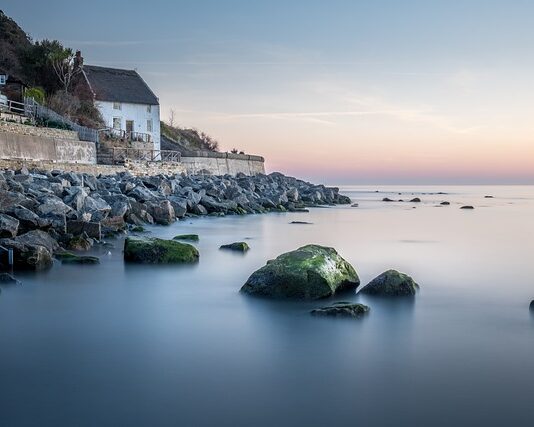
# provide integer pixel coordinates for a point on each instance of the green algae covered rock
(70, 258)
(342, 309)
(391, 283)
(236, 246)
(158, 251)
(310, 272)
(190, 237)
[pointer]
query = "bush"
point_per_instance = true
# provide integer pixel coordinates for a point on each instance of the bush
(37, 93)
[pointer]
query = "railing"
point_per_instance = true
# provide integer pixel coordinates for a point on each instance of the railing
(14, 107)
(127, 135)
(122, 155)
(45, 114)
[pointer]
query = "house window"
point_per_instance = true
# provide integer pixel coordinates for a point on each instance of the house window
(117, 106)
(149, 108)
(116, 123)
(149, 125)
(3, 79)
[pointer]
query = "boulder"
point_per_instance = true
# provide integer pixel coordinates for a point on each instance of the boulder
(97, 207)
(387, 199)
(190, 237)
(310, 272)
(445, 203)
(236, 246)
(38, 238)
(342, 309)
(391, 283)
(28, 256)
(8, 279)
(416, 200)
(28, 220)
(70, 258)
(80, 243)
(10, 199)
(162, 212)
(158, 251)
(179, 204)
(53, 206)
(467, 207)
(92, 229)
(9, 226)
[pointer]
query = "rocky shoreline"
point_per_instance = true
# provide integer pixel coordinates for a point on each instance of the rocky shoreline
(44, 213)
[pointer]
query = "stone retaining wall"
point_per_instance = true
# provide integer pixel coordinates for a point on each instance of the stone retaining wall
(23, 129)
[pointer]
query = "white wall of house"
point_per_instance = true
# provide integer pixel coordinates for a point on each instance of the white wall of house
(138, 113)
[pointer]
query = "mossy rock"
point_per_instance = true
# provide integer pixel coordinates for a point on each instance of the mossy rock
(70, 258)
(79, 243)
(391, 283)
(138, 229)
(342, 309)
(236, 246)
(158, 251)
(310, 272)
(190, 237)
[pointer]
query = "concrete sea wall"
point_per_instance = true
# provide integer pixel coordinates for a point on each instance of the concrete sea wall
(57, 149)
(39, 148)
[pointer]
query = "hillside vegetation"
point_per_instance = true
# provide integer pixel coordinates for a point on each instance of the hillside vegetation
(188, 139)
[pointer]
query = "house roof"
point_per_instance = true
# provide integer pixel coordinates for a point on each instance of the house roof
(116, 85)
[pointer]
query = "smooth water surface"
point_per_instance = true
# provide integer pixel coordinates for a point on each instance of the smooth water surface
(127, 345)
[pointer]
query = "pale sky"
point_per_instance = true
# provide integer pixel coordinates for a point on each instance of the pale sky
(369, 91)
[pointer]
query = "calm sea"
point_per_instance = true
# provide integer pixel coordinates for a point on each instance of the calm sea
(125, 345)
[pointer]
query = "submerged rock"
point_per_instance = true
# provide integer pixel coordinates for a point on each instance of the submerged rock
(342, 309)
(445, 203)
(387, 199)
(190, 237)
(236, 246)
(8, 279)
(415, 200)
(158, 251)
(391, 283)
(301, 222)
(70, 258)
(467, 207)
(310, 272)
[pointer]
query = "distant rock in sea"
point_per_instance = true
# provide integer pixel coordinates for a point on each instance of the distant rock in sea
(342, 309)
(236, 246)
(391, 283)
(467, 207)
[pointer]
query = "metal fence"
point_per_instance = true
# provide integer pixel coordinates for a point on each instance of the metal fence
(40, 112)
(121, 155)
(126, 135)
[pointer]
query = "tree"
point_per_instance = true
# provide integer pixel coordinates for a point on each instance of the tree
(64, 65)
(171, 118)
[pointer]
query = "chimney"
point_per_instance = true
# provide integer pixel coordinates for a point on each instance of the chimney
(78, 60)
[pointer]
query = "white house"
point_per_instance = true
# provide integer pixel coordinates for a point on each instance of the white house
(126, 103)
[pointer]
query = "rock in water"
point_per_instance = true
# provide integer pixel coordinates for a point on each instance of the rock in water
(531, 306)
(8, 279)
(415, 200)
(467, 207)
(310, 272)
(190, 237)
(237, 246)
(445, 203)
(342, 310)
(158, 251)
(391, 283)
(70, 258)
